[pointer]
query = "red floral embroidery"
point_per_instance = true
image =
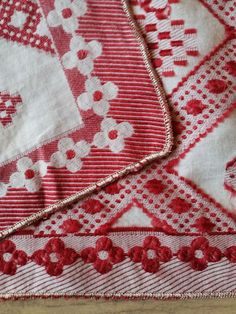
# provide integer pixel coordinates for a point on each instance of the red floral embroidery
(155, 186)
(92, 206)
(199, 254)
(103, 256)
(216, 86)
(10, 258)
(71, 226)
(150, 254)
(204, 224)
(230, 67)
(230, 253)
(179, 205)
(114, 188)
(194, 107)
(54, 257)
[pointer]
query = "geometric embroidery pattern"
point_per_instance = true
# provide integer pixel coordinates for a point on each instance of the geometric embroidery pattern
(9, 105)
(169, 41)
(19, 21)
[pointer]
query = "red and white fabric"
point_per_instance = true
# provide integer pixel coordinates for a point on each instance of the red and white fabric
(167, 231)
(80, 103)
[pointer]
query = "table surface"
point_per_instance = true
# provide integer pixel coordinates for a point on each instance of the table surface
(71, 306)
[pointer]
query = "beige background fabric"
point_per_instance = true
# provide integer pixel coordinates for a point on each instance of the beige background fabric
(73, 306)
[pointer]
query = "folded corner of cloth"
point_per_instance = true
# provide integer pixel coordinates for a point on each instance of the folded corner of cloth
(81, 104)
(89, 93)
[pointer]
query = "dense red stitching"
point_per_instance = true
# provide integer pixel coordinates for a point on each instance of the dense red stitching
(103, 256)
(150, 254)
(55, 255)
(206, 254)
(15, 258)
(63, 256)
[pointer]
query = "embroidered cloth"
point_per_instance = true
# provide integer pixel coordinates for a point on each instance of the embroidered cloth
(166, 231)
(80, 103)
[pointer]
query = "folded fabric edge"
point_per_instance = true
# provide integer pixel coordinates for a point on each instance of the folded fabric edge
(135, 167)
(110, 296)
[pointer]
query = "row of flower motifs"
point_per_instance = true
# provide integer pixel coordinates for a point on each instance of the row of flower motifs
(95, 97)
(54, 256)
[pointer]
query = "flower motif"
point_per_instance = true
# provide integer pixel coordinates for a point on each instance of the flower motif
(97, 96)
(81, 55)
(155, 186)
(216, 86)
(113, 135)
(230, 67)
(179, 205)
(54, 257)
(92, 206)
(10, 258)
(66, 14)
(194, 107)
(70, 154)
(29, 174)
(103, 256)
(150, 254)
(199, 254)
(204, 224)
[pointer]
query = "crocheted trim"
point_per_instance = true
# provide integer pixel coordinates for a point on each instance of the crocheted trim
(119, 296)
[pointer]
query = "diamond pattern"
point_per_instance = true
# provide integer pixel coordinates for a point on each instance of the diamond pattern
(19, 21)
